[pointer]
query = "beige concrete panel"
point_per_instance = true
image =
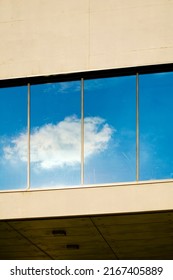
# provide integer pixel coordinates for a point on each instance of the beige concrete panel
(87, 201)
(43, 37)
(131, 33)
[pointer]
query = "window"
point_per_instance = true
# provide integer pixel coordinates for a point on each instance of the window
(55, 134)
(13, 138)
(86, 132)
(110, 130)
(156, 121)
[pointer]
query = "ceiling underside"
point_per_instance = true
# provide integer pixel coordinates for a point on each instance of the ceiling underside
(132, 236)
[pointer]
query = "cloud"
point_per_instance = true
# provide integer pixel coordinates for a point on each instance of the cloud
(57, 145)
(62, 87)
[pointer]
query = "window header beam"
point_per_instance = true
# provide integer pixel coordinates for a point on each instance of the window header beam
(87, 75)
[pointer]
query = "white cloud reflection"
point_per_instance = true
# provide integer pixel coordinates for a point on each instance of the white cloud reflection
(58, 145)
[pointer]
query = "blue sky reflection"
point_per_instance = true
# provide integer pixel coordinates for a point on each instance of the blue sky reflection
(55, 134)
(156, 118)
(109, 132)
(13, 116)
(113, 101)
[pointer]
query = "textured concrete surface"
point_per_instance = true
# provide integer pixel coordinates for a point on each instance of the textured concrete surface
(64, 36)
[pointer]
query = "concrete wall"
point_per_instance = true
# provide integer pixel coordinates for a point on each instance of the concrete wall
(124, 198)
(43, 37)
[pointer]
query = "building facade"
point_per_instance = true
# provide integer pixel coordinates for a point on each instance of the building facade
(86, 129)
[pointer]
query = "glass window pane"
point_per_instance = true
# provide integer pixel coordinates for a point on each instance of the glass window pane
(13, 138)
(110, 130)
(55, 134)
(156, 133)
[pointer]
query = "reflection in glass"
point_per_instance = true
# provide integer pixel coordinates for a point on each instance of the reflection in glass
(110, 130)
(55, 134)
(156, 132)
(13, 138)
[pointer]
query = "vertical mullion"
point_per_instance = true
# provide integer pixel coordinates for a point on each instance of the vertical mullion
(137, 127)
(28, 150)
(82, 131)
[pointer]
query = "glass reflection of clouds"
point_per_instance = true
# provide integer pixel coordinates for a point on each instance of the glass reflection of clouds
(112, 102)
(156, 133)
(55, 134)
(109, 132)
(13, 124)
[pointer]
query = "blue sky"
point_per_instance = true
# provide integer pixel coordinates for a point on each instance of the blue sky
(114, 100)
(13, 122)
(110, 132)
(156, 126)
